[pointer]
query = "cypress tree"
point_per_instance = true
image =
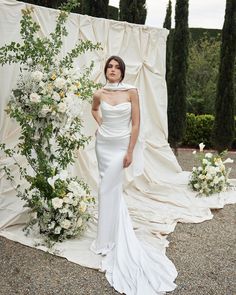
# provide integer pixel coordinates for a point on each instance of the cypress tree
(97, 8)
(133, 11)
(177, 91)
(224, 106)
(167, 25)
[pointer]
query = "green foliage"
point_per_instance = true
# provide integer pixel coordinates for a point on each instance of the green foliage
(202, 75)
(113, 12)
(198, 129)
(133, 11)
(225, 98)
(199, 33)
(177, 86)
(41, 51)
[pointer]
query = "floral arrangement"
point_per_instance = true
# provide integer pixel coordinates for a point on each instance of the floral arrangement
(211, 176)
(48, 103)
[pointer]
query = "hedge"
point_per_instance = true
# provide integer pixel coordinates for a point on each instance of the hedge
(199, 129)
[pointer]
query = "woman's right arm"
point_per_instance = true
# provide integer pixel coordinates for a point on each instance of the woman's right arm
(95, 108)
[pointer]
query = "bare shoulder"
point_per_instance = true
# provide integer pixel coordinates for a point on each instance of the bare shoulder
(97, 94)
(133, 94)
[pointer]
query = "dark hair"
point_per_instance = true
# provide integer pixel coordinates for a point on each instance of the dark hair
(121, 65)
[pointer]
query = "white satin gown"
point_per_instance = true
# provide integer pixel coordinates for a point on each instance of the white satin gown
(131, 266)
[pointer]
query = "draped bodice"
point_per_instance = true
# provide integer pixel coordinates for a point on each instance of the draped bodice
(115, 120)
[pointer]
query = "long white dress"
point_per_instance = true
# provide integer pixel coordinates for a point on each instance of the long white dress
(131, 266)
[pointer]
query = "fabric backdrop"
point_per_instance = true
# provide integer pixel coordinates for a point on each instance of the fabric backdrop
(159, 198)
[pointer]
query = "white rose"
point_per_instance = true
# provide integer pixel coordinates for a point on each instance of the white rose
(37, 76)
(57, 203)
(201, 146)
(76, 188)
(57, 230)
(45, 109)
(35, 98)
(79, 222)
(56, 96)
(82, 207)
(205, 161)
(208, 155)
(60, 82)
(65, 224)
(62, 107)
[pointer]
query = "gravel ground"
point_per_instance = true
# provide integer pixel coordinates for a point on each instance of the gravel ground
(204, 255)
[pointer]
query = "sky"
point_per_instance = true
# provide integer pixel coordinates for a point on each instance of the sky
(202, 13)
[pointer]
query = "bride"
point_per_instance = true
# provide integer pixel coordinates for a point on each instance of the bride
(131, 266)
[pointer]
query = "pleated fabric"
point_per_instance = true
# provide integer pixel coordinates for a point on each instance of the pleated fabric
(131, 266)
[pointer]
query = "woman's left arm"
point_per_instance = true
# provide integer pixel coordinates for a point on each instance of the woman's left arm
(135, 117)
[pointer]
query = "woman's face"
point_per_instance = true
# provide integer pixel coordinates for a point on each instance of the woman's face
(113, 73)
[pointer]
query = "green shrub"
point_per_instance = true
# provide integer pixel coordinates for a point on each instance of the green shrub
(199, 129)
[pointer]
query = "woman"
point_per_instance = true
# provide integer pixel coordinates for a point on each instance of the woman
(131, 267)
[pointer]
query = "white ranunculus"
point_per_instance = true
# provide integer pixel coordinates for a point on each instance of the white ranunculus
(79, 222)
(37, 76)
(56, 96)
(45, 109)
(201, 146)
(208, 155)
(57, 230)
(35, 98)
(65, 224)
(76, 188)
(62, 107)
(57, 203)
(60, 83)
(228, 160)
(82, 207)
(63, 174)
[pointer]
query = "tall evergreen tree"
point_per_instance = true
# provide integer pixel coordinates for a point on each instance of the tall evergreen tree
(133, 11)
(167, 25)
(177, 91)
(224, 108)
(98, 8)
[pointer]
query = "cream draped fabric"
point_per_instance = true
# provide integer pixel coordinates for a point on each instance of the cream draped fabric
(158, 198)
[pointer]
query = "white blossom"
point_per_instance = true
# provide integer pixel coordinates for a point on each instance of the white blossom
(60, 82)
(82, 207)
(62, 107)
(201, 146)
(65, 224)
(208, 155)
(57, 230)
(37, 76)
(45, 109)
(79, 222)
(35, 98)
(57, 203)
(56, 96)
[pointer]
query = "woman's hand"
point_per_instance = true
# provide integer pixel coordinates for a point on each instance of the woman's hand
(127, 160)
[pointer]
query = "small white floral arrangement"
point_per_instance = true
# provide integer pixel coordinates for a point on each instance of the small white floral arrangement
(210, 176)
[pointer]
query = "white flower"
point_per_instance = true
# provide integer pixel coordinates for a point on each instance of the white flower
(63, 174)
(57, 203)
(67, 200)
(208, 155)
(205, 161)
(62, 107)
(56, 96)
(76, 188)
(228, 160)
(60, 82)
(29, 61)
(65, 224)
(201, 146)
(196, 185)
(45, 109)
(37, 76)
(194, 152)
(51, 225)
(35, 98)
(57, 230)
(79, 222)
(82, 207)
